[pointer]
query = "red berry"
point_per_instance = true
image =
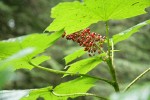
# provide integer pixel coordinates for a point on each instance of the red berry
(87, 39)
(90, 44)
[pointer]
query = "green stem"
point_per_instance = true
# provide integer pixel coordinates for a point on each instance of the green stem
(69, 73)
(136, 79)
(109, 60)
(78, 94)
(112, 54)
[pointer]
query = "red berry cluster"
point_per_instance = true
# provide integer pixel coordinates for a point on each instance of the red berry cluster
(91, 41)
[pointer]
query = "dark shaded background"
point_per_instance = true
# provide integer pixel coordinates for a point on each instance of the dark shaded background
(21, 17)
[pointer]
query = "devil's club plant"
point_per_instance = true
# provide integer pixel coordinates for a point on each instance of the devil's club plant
(71, 21)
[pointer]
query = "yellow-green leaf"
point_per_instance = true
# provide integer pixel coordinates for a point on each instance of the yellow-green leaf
(75, 16)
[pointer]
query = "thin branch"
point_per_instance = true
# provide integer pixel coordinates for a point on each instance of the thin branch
(78, 94)
(136, 79)
(69, 73)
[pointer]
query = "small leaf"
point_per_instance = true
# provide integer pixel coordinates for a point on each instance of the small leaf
(127, 33)
(74, 55)
(139, 93)
(84, 66)
(80, 15)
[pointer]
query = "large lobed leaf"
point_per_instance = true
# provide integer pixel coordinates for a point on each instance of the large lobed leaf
(127, 33)
(75, 16)
(63, 91)
(31, 45)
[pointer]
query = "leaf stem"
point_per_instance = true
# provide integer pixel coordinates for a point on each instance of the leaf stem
(69, 73)
(109, 60)
(136, 79)
(78, 94)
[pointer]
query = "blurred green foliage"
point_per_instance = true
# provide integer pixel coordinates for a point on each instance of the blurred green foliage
(20, 17)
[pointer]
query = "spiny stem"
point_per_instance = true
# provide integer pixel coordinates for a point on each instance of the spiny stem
(136, 79)
(69, 73)
(78, 94)
(109, 60)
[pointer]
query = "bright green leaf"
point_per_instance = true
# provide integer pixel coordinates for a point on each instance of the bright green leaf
(18, 59)
(42, 94)
(127, 33)
(38, 60)
(85, 65)
(75, 16)
(30, 46)
(7, 65)
(117, 9)
(72, 87)
(63, 91)
(139, 93)
(74, 55)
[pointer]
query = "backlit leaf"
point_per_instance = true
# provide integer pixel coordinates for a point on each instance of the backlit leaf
(33, 44)
(85, 65)
(75, 16)
(74, 55)
(62, 91)
(72, 87)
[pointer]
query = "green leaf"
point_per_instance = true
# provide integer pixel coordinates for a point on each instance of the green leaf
(85, 65)
(6, 66)
(127, 33)
(139, 93)
(19, 60)
(63, 91)
(74, 55)
(42, 94)
(75, 16)
(72, 87)
(33, 44)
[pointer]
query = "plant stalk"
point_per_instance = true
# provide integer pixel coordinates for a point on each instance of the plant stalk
(69, 73)
(109, 60)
